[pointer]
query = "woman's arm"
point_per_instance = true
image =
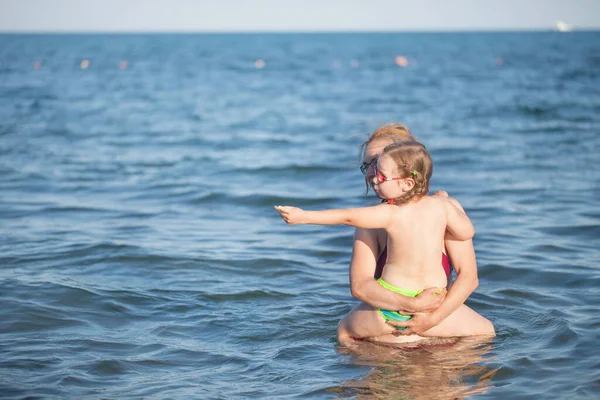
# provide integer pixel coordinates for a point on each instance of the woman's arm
(367, 246)
(462, 255)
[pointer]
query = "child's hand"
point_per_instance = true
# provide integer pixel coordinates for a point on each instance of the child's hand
(291, 215)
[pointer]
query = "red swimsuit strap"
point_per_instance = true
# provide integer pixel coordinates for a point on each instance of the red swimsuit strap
(446, 264)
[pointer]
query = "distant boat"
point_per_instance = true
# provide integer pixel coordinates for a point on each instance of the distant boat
(562, 26)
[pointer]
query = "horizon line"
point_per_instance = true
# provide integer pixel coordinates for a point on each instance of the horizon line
(332, 31)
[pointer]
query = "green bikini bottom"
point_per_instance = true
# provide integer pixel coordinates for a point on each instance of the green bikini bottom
(395, 315)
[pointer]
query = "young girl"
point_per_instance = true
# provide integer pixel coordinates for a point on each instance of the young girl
(416, 224)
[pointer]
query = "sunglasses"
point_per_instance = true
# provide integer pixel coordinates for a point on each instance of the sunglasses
(364, 167)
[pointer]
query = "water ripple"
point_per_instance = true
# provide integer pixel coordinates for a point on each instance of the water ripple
(142, 256)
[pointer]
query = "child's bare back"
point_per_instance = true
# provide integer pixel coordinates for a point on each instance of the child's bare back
(415, 241)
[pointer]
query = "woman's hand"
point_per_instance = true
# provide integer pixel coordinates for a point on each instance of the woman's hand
(429, 300)
(419, 323)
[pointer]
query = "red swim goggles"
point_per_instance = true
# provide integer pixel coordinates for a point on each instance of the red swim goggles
(382, 178)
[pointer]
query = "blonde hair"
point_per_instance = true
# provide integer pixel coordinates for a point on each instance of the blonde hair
(393, 131)
(413, 161)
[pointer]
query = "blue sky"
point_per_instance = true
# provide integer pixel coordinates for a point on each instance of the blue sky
(292, 15)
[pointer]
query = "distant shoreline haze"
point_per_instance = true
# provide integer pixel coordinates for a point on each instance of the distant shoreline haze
(299, 32)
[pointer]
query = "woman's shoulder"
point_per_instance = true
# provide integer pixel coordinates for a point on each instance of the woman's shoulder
(369, 232)
(374, 235)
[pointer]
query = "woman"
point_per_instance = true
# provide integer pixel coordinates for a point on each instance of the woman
(434, 314)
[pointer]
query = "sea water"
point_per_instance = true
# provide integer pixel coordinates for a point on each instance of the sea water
(140, 255)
